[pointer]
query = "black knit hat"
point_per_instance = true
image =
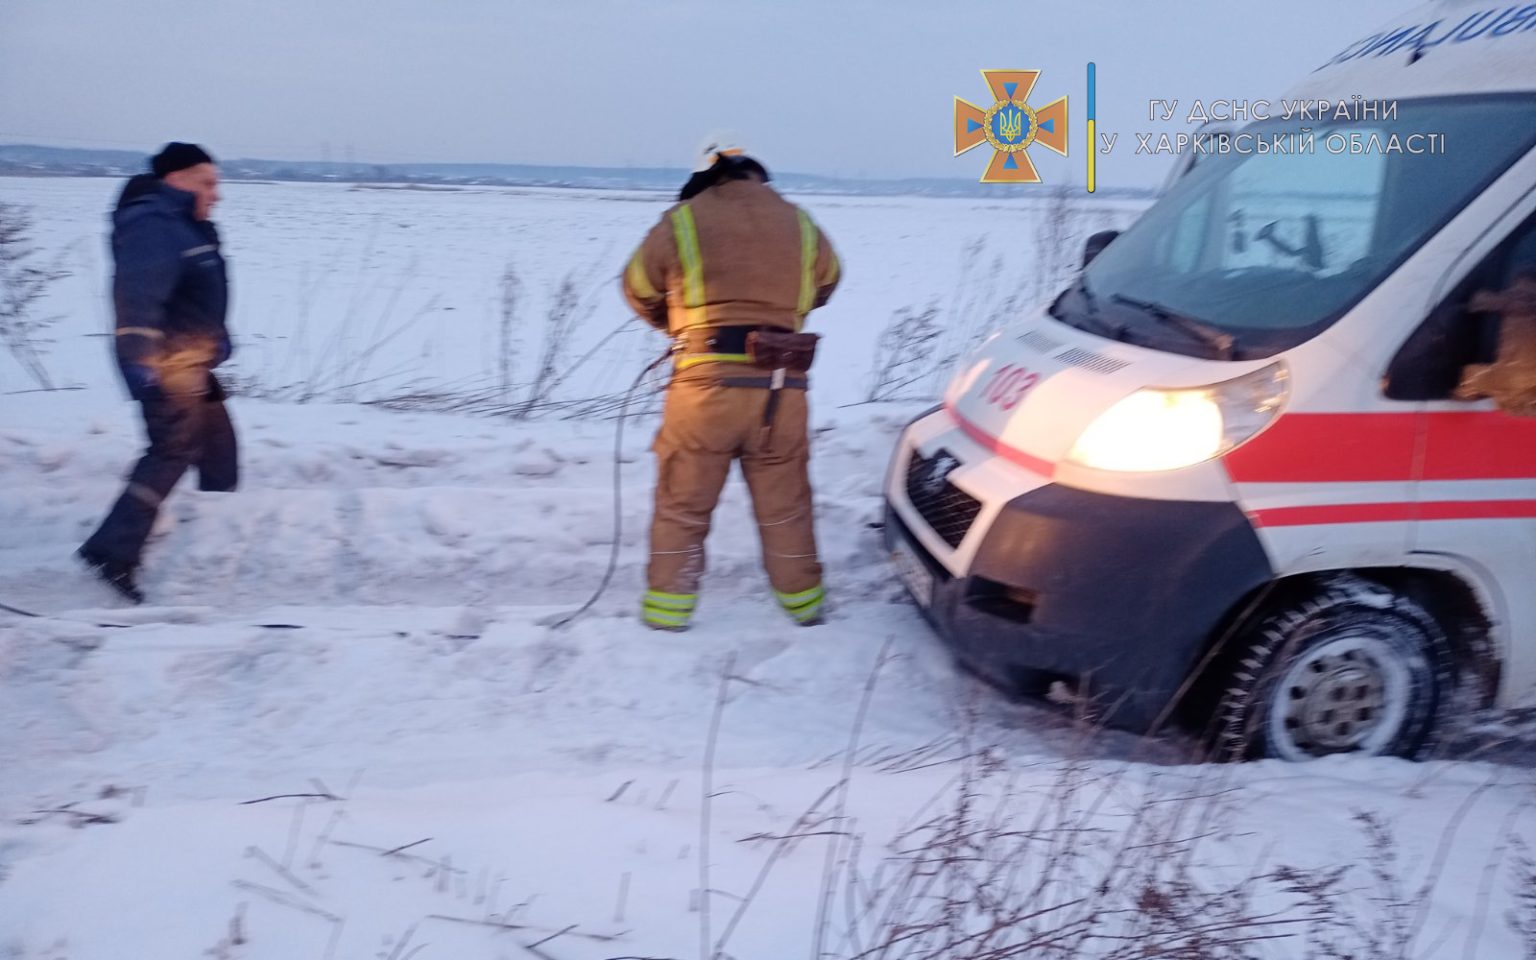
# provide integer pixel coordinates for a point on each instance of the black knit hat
(178, 156)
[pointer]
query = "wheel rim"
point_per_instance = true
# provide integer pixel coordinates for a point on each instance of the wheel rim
(1346, 695)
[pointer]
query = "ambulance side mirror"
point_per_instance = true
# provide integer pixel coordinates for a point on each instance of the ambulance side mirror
(1095, 244)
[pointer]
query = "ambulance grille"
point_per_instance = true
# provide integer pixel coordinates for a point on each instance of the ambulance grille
(1039, 341)
(946, 508)
(1096, 362)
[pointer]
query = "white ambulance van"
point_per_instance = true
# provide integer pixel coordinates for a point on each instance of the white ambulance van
(1224, 479)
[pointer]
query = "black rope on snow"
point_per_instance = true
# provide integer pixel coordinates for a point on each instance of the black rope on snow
(42, 616)
(618, 495)
(613, 552)
(20, 612)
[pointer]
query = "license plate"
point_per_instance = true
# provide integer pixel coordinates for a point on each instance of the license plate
(914, 574)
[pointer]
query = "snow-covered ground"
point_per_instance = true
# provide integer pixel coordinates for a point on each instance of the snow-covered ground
(365, 639)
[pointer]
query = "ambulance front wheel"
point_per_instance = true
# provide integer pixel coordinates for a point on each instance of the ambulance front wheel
(1353, 668)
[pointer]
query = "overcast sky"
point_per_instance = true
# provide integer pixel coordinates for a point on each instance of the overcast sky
(840, 87)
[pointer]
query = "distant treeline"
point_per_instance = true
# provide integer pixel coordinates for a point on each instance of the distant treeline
(35, 161)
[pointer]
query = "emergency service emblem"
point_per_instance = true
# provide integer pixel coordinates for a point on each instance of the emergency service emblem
(1011, 126)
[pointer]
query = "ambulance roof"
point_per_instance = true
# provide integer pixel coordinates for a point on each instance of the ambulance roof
(1444, 48)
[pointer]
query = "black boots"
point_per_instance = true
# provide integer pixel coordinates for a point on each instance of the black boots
(115, 575)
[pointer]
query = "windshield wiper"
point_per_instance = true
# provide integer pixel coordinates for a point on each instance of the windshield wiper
(1218, 340)
(1106, 328)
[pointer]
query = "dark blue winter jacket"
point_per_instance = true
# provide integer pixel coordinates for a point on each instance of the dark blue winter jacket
(170, 292)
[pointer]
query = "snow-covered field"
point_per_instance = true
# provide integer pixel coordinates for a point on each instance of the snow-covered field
(364, 639)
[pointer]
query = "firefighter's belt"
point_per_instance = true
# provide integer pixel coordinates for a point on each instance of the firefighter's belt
(746, 381)
(782, 350)
(785, 353)
(718, 339)
(761, 383)
(771, 348)
(698, 345)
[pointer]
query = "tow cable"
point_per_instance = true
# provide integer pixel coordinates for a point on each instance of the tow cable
(18, 611)
(613, 552)
(618, 492)
(42, 616)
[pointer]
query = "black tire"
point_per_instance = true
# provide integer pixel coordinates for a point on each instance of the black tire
(1352, 668)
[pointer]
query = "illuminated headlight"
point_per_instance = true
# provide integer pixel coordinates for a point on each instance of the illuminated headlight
(1159, 429)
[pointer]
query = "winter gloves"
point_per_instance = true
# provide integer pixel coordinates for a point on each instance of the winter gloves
(143, 382)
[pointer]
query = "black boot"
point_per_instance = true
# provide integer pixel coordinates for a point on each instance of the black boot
(118, 576)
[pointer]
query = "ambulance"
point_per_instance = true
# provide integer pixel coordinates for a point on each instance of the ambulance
(1233, 478)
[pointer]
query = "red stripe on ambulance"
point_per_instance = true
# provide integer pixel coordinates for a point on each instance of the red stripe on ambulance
(1044, 468)
(1394, 512)
(1388, 447)
(1480, 445)
(1329, 448)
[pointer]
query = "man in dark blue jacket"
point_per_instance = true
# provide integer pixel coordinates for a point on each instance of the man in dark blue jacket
(170, 294)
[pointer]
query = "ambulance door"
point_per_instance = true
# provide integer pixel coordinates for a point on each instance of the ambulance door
(1475, 496)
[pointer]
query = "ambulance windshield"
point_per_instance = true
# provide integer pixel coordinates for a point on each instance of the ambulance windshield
(1252, 253)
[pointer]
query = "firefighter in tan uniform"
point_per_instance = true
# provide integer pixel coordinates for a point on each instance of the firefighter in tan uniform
(731, 267)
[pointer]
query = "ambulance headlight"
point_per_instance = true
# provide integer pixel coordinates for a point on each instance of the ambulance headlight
(1166, 429)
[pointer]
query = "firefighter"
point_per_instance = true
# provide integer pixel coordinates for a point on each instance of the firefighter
(730, 273)
(1511, 379)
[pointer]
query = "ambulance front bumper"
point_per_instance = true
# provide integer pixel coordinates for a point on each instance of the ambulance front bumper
(1119, 596)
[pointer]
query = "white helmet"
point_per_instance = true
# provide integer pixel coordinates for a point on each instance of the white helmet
(721, 143)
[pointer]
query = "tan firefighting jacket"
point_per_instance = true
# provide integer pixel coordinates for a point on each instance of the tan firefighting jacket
(737, 254)
(1511, 379)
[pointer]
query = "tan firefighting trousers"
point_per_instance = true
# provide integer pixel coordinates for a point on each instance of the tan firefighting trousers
(705, 426)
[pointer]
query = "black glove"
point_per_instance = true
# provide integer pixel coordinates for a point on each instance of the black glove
(143, 382)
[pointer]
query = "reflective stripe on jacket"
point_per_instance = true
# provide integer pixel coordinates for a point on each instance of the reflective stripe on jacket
(737, 254)
(170, 290)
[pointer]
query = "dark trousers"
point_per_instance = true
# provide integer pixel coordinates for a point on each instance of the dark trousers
(185, 430)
